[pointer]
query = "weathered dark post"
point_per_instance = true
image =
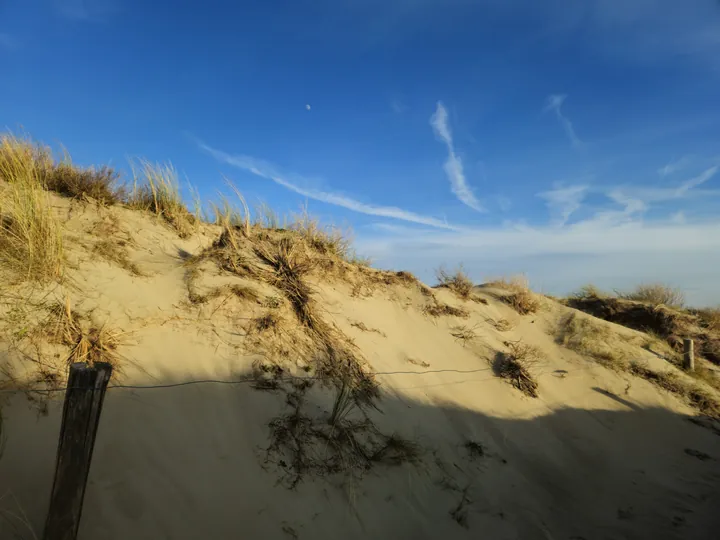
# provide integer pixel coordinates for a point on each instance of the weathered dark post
(81, 415)
(689, 355)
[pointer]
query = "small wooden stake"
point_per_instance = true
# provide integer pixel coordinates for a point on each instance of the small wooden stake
(689, 355)
(81, 415)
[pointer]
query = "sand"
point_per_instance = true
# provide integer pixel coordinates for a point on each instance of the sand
(598, 455)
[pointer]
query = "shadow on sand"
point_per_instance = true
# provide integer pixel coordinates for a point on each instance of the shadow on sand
(189, 462)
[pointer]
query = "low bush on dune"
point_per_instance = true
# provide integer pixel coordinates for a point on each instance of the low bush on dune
(516, 366)
(656, 294)
(519, 296)
(457, 281)
(62, 177)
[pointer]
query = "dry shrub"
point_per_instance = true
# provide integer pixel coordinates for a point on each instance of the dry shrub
(518, 295)
(302, 445)
(695, 395)
(516, 364)
(81, 183)
(457, 281)
(656, 294)
(87, 343)
(31, 244)
(156, 189)
(589, 338)
(501, 325)
(588, 291)
(113, 252)
(438, 309)
(290, 264)
(463, 333)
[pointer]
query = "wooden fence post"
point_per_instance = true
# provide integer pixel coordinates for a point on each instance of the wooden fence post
(689, 354)
(81, 414)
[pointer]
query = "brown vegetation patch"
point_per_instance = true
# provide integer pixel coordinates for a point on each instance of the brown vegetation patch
(516, 364)
(518, 295)
(457, 281)
(439, 309)
(668, 323)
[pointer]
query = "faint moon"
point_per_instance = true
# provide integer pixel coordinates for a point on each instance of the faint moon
(307, 106)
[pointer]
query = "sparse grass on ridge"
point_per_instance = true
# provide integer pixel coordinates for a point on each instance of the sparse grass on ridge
(519, 296)
(156, 189)
(457, 281)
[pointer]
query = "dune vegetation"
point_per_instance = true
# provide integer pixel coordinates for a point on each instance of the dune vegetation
(260, 355)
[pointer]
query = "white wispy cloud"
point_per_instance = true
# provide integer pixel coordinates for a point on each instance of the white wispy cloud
(564, 201)
(612, 254)
(268, 171)
(453, 165)
(673, 167)
(695, 182)
(554, 103)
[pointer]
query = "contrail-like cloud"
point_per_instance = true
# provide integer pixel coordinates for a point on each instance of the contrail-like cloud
(268, 171)
(554, 103)
(453, 165)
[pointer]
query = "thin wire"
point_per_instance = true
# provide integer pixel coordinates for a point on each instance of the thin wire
(250, 381)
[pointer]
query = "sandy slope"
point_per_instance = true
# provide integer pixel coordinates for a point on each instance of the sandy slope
(599, 455)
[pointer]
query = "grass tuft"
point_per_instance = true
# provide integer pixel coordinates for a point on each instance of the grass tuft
(438, 309)
(516, 364)
(88, 344)
(518, 296)
(156, 189)
(31, 243)
(457, 281)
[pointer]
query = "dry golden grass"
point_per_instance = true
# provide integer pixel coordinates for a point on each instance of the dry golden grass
(229, 217)
(328, 241)
(156, 189)
(31, 243)
(87, 343)
(516, 365)
(656, 294)
(589, 338)
(62, 177)
(457, 281)
(438, 309)
(518, 296)
(75, 182)
(698, 397)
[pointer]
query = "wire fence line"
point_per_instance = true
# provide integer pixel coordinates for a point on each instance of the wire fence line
(558, 373)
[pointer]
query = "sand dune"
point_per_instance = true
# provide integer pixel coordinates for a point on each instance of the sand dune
(447, 449)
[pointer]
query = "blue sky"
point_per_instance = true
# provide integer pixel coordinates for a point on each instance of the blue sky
(570, 140)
